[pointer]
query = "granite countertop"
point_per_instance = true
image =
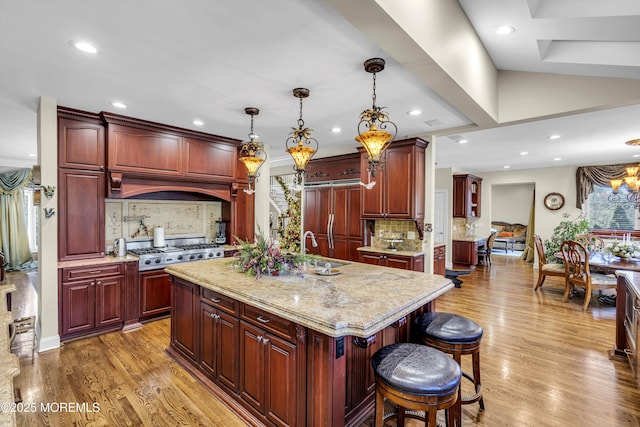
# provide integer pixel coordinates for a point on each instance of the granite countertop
(362, 300)
(109, 259)
(438, 244)
(390, 252)
(468, 239)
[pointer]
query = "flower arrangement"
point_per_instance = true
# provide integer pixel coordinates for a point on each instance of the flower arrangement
(262, 257)
(623, 249)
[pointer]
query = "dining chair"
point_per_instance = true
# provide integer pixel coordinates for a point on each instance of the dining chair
(576, 258)
(484, 253)
(544, 268)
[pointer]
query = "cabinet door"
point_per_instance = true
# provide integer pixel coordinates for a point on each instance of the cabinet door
(252, 366)
(184, 320)
(208, 339)
(78, 307)
(399, 185)
(80, 214)
(209, 161)
(228, 350)
(464, 253)
(80, 145)
(242, 216)
(155, 293)
(280, 380)
(109, 298)
(372, 204)
(311, 214)
(403, 263)
(370, 258)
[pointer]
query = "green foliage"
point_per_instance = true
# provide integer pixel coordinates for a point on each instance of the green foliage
(565, 230)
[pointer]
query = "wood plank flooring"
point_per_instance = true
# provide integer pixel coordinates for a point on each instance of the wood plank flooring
(544, 363)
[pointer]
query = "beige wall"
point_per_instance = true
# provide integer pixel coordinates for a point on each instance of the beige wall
(511, 202)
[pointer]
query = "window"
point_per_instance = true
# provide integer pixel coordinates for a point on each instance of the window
(606, 211)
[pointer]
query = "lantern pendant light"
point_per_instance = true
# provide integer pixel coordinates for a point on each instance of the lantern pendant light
(300, 145)
(252, 153)
(372, 128)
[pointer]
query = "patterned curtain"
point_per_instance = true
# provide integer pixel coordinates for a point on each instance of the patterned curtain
(587, 176)
(14, 241)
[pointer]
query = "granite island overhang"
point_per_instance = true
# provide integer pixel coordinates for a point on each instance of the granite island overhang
(316, 332)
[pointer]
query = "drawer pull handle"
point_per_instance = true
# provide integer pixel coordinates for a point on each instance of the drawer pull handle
(215, 299)
(94, 272)
(263, 320)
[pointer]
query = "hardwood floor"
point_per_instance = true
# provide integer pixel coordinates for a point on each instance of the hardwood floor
(544, 363)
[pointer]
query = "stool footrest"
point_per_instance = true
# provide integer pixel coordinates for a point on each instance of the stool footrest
(475, 397)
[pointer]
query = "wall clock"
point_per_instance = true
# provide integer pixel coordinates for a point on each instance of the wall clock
(554, 201)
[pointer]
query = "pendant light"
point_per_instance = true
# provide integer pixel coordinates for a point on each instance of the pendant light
(252, 153)
(300, 145)
(372, 128)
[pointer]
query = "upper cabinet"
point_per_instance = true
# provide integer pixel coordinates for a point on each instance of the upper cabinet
(335, 168)
(466, 196)
(81, 144)
(399, 189)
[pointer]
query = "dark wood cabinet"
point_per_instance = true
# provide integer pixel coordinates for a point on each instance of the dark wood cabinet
(81, 186)
(155, 294)
(91, 299)
(399, 189)
(415, 263)
(333, 169)
(466, 196)
(185, 315)
(332, 213)
(240, 214)
(209, 161)
(268, 374)
(439, 259)
(219, 345)
(465, 253)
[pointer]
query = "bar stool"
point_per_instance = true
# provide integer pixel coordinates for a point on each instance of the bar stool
(416, 377)
(458, 336)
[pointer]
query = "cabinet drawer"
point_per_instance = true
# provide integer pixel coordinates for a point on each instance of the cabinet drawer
(88, 272)
(220, 301)
(269, 322)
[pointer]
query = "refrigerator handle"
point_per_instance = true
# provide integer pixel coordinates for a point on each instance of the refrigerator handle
(331, 230)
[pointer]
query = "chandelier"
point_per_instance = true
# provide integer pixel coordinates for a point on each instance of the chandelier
(252, 153)
(632, 181)
(300, 145)
(372, 133)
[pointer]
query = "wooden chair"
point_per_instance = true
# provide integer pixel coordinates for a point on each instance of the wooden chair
(544, 268)
(576, 258)
(484, 253)
(2, 273)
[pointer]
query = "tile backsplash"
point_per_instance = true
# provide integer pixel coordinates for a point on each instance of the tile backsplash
(179, 219)
(411, 239)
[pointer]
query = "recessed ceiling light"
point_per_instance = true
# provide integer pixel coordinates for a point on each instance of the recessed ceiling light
(462, 141)
(198, 122)
(336, 129)
(32, 155)
(507, 167)
(119, 104)
(524, 153)
(636, 155)
(504, 30)
(84, 46)
(555, 159)
(414, 112)
(553, 136)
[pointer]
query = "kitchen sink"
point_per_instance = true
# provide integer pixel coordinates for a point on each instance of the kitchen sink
(321, 262)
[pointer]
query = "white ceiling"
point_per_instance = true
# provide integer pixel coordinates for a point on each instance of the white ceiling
(209, 59)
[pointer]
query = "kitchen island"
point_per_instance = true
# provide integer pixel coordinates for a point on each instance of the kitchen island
(293, 349)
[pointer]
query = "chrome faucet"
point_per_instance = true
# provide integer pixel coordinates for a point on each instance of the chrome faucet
(304, 240)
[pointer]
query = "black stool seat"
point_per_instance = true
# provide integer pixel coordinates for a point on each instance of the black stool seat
(416, 369)
(448, 327)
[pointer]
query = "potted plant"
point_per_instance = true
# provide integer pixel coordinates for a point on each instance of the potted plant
(263, 257)
(566, 230)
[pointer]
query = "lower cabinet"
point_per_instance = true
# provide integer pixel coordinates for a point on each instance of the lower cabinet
(155, 294)
(91, 299)
(439, 260)
(185, 307)
(465, 253)
(268, 374)
(219, 337)
(415, 263)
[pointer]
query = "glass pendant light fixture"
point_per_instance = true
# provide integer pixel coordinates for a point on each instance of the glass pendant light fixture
(372, 128)
(300, 145)
(252, 153)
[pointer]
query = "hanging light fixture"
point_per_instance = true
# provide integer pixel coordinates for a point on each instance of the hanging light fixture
(300, 145)
(252, 153)
(372, 128)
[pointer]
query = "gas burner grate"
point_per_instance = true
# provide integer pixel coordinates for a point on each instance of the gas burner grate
(145, 251)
